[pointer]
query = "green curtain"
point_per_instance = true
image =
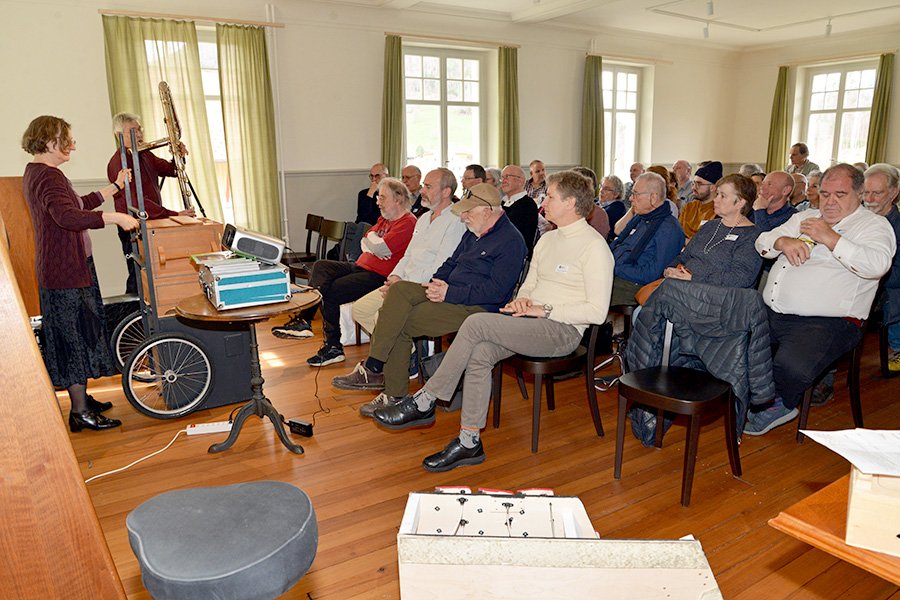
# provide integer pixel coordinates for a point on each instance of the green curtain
(779, 127)
(392, 106)
(139, 54)
(248, 113)
(509, 107)
(881, 111)
(592, 115)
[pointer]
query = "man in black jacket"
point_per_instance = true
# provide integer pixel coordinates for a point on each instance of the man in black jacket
(519, 206)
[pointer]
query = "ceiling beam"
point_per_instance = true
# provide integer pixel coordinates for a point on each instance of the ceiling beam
(545, 10)
(398, 4)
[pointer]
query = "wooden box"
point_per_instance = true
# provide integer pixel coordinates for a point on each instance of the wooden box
(873, 512)
(542, 547)
(172, 242)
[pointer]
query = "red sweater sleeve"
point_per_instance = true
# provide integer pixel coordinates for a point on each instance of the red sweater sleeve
(397, 235)
(58, 196)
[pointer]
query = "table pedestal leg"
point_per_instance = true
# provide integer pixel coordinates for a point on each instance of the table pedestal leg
(258, 405)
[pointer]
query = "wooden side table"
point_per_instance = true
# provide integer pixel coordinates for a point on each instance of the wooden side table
(820, 520)
(198, 308)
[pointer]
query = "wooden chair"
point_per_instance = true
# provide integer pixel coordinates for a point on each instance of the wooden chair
(685, 392)
(330, 231)
(544, 369)
(854, 357)
(300, 263)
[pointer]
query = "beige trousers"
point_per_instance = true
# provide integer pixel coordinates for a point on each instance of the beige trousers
(366, 309)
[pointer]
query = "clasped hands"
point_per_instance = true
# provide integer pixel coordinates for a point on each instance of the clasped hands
(678, 272)
(523, 307)
(813, 231)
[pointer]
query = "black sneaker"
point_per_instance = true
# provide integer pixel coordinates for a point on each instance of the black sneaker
(327, 355)
(297, 327)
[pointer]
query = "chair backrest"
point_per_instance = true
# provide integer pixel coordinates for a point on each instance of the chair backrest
(313, 225)
(330, 231)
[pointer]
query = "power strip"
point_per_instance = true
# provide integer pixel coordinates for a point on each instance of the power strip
(215, 427)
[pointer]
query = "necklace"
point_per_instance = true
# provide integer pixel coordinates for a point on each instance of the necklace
(709, 245)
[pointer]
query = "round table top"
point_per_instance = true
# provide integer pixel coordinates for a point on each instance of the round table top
(200, 309)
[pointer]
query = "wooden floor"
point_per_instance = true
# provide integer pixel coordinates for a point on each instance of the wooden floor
(359, 475)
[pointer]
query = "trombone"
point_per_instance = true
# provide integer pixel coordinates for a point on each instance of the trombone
(173, 141)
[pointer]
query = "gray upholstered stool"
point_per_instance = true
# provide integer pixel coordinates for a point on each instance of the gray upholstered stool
(245, 541)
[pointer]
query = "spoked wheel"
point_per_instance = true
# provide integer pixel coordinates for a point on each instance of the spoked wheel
(168, 375)
(127, 336)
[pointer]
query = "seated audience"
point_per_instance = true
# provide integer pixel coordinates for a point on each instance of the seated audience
(435, 237)
(536, 186)
(634, 172)
(519, 206)
(473, 175)
(671, 192)
(821, 287)
(683, 183)
(696, 213)
(566, 290)
(367, 198)
(722, 251)
(749, 169)
(812, 189)
(861, 165)
(480, 276)
(757, 180)
(612, 190)
(492, 176)
(882, 190)
(772, 208)
(341, 282)
(800, 162)
(798, 193)
(411, 176)
(648, 242)
(597, 218)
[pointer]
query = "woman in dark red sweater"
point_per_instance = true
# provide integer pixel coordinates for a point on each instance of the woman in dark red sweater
(75, 340)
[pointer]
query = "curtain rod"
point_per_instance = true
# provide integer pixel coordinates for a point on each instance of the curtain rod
(440, 38)
(147, 15)
(874, 54)
(643, 59)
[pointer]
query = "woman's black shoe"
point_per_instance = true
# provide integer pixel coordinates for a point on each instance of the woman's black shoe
(97, 406)
(91, 420)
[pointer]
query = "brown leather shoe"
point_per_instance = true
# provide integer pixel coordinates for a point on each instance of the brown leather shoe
(360, 378)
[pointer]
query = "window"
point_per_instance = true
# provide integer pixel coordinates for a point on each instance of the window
(621, 119)
(837, 104)
(443, 98)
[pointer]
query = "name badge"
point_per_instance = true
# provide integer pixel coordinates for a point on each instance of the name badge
(562, 268)
(731, 237)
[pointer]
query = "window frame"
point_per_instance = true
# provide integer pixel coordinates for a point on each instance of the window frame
(443, 53)
(608, 129)
(804, 97)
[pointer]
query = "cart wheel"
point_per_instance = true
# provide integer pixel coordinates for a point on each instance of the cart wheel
(127, 336)
(168, 375)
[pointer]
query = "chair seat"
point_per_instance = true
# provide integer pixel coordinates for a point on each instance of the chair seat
(545, 364)
(245, 541)
(676, 389)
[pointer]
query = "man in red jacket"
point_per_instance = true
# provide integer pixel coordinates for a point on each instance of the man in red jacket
(152, 168)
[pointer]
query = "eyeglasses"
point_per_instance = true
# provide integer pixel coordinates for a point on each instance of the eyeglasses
(637, 193)
(511, 177)
(477, 197)
(700, 183)
(375, 176)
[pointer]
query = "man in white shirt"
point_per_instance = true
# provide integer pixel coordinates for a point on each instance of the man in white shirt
(437, 234)
(821, 287)
(567, 288)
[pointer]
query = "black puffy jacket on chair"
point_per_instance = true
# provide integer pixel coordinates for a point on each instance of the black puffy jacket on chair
(722, 330)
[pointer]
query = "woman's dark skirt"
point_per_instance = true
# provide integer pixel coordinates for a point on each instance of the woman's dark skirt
(75, 338)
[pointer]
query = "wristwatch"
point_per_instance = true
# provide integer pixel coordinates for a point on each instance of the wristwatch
(548, 308)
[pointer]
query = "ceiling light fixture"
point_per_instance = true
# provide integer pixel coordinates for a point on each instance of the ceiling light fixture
(828, 28)
(710, 10)
(706, 31)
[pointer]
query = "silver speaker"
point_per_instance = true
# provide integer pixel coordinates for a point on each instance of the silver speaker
(260, 246)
